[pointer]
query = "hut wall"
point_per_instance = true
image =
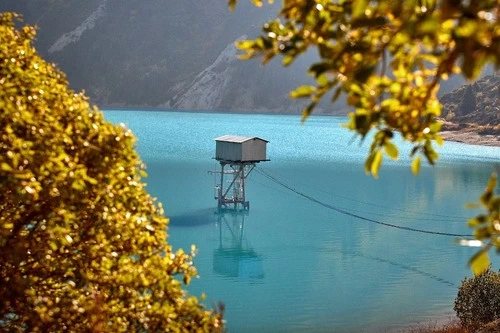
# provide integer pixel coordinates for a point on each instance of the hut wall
(254, 150)
(229, 151)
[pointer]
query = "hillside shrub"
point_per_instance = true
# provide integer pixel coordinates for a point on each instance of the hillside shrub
(83, 247)
(478, 299)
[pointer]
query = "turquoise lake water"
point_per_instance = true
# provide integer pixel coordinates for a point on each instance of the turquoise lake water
(292, 265)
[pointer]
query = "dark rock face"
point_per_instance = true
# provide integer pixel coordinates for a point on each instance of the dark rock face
(468, 102)
(477, 103)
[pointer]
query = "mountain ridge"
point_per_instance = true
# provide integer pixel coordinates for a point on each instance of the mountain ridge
(161, 54)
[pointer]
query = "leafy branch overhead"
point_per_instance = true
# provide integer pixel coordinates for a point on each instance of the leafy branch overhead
(387, 57)
(486, 227)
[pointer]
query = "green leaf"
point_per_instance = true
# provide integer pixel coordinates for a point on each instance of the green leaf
(303, 91)
(480, 262)
(391, 150)
(415, 165)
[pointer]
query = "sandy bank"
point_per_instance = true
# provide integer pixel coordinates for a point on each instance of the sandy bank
(470, 136)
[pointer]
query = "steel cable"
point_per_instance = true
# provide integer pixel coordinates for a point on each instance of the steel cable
(348, 213)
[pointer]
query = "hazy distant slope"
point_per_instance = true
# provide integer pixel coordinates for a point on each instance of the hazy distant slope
(150, 53)
(167, 54)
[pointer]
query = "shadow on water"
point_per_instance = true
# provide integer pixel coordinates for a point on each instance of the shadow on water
(234, 257)
(196, 218)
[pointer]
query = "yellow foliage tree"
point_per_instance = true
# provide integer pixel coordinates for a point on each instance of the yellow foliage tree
(83, 247)
(389, 57)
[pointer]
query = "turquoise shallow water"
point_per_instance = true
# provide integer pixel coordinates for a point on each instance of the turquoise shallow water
(291, 265)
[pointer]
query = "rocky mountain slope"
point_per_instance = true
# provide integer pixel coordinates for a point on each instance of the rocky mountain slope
(167, 54)
(477, 103)
(472, 112)
(161, 54)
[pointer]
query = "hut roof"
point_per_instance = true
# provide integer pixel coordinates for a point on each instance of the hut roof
(237, 138)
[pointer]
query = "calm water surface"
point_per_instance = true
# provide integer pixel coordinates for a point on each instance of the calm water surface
(291, 265)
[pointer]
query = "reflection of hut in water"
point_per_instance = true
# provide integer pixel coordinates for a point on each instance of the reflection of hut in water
(234, 257)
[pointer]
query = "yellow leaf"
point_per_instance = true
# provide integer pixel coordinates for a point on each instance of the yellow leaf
(358, 8)
(376, 163)
(415, 165)
(92, 181)
(302, 91)
(480, 262)
(232, 4)
(391, 150)
(288, 59)
(245, 44)
(6, 167)
(473, 222)
(307, 112)
(53, 246)
(322, 80)
(257, 3)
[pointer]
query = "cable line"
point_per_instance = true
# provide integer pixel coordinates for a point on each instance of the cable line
(446, 218)
(345, 212)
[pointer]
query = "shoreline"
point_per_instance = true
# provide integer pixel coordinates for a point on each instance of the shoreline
(471, 137)
(468, 135)
(236, 112)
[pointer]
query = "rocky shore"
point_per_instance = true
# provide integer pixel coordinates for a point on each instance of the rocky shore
(471, 134)
(471, 113)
